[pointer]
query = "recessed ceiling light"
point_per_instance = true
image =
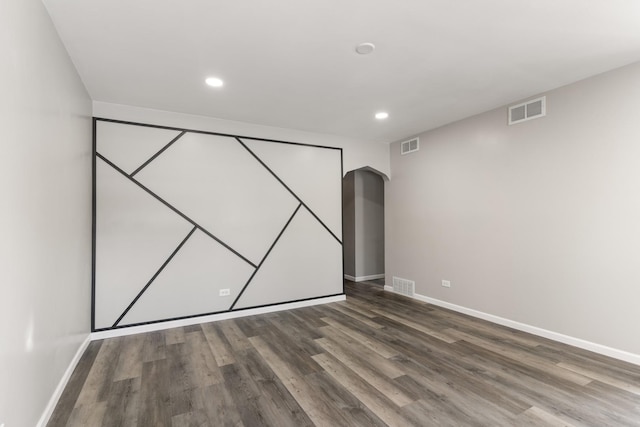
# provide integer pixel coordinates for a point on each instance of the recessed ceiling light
(365, 48)
(214, 82)
(382, 115)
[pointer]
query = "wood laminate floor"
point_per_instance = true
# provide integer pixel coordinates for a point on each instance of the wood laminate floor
(377, 359)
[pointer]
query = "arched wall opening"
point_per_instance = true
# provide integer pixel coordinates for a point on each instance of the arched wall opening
(363, 224)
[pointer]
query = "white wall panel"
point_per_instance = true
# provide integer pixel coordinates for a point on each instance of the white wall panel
(129, 146)
(314, 175)
(136, 234)
(216, 182)
(206, 213)
(193, 277)
(307, 258)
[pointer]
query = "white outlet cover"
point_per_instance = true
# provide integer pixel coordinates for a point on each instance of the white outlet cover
(446, 283)
(225, 292)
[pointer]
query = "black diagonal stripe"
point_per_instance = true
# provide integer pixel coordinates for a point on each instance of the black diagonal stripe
(124, 313)
(204, 132)
(186, 218)
(93, 228)
(288, 189)
(152, 158)
(265, 257)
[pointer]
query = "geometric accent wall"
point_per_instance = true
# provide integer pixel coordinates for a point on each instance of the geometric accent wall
(180, 215)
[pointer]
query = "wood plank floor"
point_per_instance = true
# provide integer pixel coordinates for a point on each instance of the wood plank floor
(376, 359)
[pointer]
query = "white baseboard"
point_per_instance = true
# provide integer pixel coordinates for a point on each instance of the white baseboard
(555, 336)
(212, 318)
(363, 278)
(48, 411)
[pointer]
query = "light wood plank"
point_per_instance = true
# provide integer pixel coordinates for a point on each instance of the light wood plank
(374, 400)
(315, 408)
(622, 385)
(382, 349)
(367, 373)
(535, 416)
(220, 347)
(356, 316)
(523, 357)
(376, 359)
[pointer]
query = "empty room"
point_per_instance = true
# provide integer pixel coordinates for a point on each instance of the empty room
(299, 213)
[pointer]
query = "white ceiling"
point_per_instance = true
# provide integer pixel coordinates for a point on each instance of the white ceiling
(292, 64)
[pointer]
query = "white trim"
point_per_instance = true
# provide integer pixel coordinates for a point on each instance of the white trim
(363, 278)
(555, 336)
(212, 318)
(48, 410)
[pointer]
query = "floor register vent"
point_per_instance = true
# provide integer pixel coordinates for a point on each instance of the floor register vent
(410, 146)
(404, 286)
(529, 110)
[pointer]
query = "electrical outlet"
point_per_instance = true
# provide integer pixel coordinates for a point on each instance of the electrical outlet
(446, 283)
(225, 292)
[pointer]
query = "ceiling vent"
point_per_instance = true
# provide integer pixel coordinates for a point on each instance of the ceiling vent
(529, 110)
(410, 146)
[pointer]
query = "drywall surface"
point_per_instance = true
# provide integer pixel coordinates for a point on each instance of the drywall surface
(535, 222)
(369, 223)
(357, 153)
(349, 224)
(189, 223)
(45, 218)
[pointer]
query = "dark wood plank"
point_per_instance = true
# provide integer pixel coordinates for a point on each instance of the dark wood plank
(123, 403)
(375, 359)
(155, 403)
(69, 396)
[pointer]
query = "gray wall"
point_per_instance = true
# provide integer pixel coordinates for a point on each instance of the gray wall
(369, 223)
(536, 222)
(363, 212)
(349, 223)
(45, 218)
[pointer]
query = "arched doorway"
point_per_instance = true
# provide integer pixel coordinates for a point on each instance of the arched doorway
(363, 226)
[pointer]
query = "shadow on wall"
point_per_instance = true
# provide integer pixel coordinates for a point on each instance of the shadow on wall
(363, 224)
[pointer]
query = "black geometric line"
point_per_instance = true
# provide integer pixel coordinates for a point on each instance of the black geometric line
(93, 230)
(124, 122)
(288, 189)
(265, 257)
(154, 277)
(152, 158)
(342, 216)
(192, 316)
(186, 218)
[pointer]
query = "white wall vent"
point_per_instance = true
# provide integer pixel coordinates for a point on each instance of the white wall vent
(404, 286)
(410, 146)
(529, 110)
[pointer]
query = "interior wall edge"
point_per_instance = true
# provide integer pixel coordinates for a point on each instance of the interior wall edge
(357, 153)
(545, 333)
(133, 330)
(363, 278)
(55, 397)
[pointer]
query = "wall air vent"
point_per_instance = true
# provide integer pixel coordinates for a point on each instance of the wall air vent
(410, 146)
(529, 110)
(404, 286)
